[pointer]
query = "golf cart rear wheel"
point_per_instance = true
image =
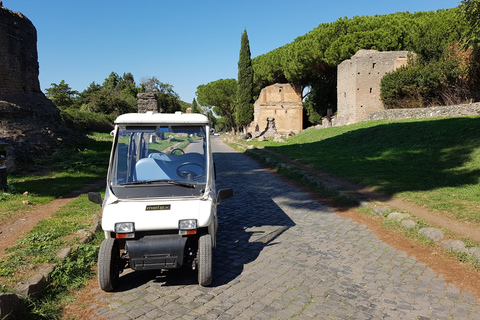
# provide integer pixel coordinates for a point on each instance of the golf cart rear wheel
(205, 260)
(108, 271)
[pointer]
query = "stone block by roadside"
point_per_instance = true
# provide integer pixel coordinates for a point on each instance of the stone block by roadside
(454, 245)
(432, 233)
(95, 227)
(35, 283)
(475, 253)
(64, 253)
(85, 235)
(379, 210)
(408, 224)
(399, 216)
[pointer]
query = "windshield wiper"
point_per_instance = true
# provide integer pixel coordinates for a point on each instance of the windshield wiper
(174, 182)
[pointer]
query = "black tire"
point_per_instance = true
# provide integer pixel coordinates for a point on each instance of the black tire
(205, 260)
(108, 271)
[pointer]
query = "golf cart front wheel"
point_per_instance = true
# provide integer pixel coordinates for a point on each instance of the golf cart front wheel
(205, 260)
(108, 271)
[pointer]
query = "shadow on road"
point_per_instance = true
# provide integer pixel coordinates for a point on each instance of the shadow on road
(248, 222)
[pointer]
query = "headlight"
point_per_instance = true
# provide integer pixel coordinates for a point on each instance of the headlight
(125, 229)
(189, 224)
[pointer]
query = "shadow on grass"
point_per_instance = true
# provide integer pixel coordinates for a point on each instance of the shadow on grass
(398, 157)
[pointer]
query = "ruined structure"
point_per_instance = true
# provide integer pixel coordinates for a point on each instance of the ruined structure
(29, 122)
(283, 102)
(358, 83)
(147, 102)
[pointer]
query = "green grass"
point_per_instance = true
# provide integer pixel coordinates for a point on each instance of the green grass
(433, 162)
(47, 178)
(40, 246)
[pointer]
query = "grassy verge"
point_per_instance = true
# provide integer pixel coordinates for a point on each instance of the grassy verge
(48, 178)
(434, 162)
(45, 180)
(39, 248)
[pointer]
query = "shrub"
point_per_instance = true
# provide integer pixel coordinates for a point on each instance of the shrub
(87, 121)
(422, 85)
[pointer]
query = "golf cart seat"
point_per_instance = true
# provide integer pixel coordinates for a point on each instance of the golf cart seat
(162, 166)
(149, 169)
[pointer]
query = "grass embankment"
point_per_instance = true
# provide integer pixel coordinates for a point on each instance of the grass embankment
(433, 162)
(47, 179)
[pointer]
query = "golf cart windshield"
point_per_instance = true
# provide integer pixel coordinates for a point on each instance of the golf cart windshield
(159, 161)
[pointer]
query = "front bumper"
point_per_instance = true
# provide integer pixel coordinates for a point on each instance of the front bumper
(156, 252)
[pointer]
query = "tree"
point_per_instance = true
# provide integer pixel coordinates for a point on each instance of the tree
(195, 107)
(109, 101)
(167, 98)
(84, 97)
(112, 81)
(125, 81)
(244, 95)
(220, 95)
(212, 119)
(470, 11)
(61, 94)
(309, 59)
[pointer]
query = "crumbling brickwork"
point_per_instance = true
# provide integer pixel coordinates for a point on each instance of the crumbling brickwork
(147, 102)
(29, 122)
(18, 59)
(281, 101)
(358, 83)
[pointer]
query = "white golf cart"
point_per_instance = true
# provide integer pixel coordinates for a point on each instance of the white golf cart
(160, 206)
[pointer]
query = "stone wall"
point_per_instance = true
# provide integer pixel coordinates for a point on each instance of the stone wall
(358, 83)
(463, 110)
(29, 122)
(283, 102)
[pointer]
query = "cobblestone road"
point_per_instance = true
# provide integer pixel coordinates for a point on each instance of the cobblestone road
(282, 255)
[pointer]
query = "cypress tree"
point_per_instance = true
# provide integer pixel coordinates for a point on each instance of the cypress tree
(244, 96)
(195, 108)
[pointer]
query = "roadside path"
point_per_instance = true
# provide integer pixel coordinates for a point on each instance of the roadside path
(15, 227)
(281, 254)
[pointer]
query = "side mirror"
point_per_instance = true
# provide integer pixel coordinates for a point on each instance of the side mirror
(225, 193)
(95, 197)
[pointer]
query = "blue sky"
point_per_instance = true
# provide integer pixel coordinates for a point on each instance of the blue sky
(183, 43)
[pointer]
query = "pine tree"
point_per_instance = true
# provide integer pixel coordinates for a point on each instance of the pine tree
(244, 97)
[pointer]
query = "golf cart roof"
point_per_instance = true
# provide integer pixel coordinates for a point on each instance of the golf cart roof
(152, 118)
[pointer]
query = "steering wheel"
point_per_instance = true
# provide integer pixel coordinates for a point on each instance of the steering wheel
(177, 149)
(188, 174)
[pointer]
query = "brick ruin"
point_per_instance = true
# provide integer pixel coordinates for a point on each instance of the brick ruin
(358, 83)
(147, 102)
(282, 102)
(29, 122)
